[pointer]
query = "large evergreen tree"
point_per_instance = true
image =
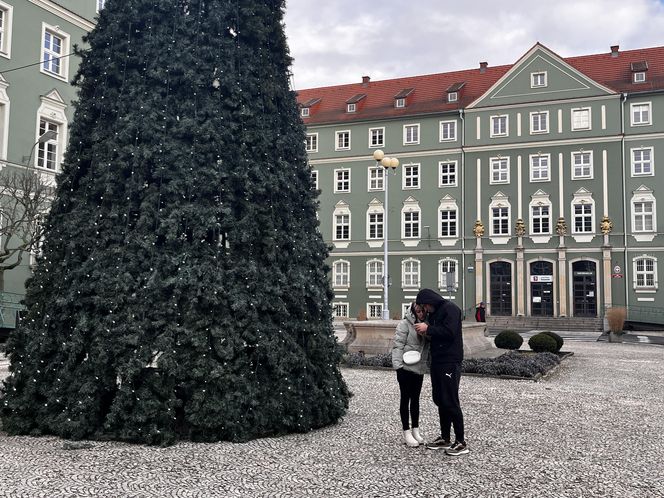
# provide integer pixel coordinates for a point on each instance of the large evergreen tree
(182, 292)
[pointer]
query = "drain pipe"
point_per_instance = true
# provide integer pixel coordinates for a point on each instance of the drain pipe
(624, 189)
(462, 177)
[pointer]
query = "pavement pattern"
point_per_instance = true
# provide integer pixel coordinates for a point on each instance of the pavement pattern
(591, 428)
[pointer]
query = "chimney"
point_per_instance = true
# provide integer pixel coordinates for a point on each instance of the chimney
(483, 66)
(614, 50)
(365, 81)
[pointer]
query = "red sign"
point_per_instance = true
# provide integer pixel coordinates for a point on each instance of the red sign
(616, 275)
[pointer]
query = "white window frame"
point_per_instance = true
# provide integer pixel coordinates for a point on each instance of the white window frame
(52, 109)
(48, 153)
(5, 105)
(411, 173)
(65, 48)
(535, 77)
(411, 273)
(100, 5)
(589, 165)
(410, 208)
(380, 129)
(411, 134)
(575, 112)
(539, 114)
(500, 201)
(641, 162)
(374, 311)
(342, 209)
(498, 119)
(376, 276)
(339, 181)
(585, 201)
(338, 135)
(311, 142)
(400, 103)
(7, 13)
(644, 196)
(639, 77)
(447, 130)
(644, 287)
(538, 168)
(351, 108)
(540, 205)
(448, 205)
(338, 308)
(453, 96)
(314, 178)
(645, 107)
(448, 176)
(376, 208)
(445, 262)
(375, 183)
(501, 166)
(304, 112)
(341, 274)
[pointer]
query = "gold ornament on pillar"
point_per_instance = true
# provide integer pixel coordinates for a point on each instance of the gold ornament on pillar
(606, 225)
(561, 226)
(478, 229)
(520, 228)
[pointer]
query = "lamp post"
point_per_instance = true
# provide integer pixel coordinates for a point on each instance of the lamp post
(45, 137)
(387, 163)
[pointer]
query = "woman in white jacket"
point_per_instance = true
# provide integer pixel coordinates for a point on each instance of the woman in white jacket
(410, 376)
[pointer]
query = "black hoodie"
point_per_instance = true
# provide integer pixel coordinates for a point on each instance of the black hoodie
(444, 328)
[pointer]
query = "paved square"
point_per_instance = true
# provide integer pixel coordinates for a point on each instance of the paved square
(593, 428)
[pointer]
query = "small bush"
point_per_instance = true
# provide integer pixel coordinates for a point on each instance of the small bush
(508, 339)
(513, 363)
(616, 317)
(360, 359)
(542, 342)
(559, 340)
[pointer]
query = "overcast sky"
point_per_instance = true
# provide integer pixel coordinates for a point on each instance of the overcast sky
(338, 41)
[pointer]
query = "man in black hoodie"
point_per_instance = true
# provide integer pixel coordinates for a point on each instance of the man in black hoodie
(443, 328)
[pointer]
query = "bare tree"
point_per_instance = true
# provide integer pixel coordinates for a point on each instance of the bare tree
(25, 196)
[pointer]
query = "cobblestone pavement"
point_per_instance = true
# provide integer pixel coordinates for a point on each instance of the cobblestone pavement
(592, 428)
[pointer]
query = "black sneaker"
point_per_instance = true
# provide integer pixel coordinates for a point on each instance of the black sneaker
(457, 449)
(439, 444)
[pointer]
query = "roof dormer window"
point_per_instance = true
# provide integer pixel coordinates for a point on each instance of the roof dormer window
(352, 103)
(400, 98)
(639, 71)
(304, 112)
(454, 90)
(306, 107)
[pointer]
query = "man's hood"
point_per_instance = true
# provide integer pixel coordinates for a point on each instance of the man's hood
(428, 296)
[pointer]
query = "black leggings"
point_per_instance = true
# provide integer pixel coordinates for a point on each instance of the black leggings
(410, 385)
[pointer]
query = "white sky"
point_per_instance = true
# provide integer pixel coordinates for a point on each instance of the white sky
(338, 41)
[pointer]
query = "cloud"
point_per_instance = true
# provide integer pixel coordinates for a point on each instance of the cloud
(339, 41)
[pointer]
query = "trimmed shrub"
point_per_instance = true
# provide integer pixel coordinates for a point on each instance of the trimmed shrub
(542, 342)
(559, 340)
(360, 359)
(508, 339)
(512, 363)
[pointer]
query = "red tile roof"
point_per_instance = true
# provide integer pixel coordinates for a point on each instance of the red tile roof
(429, 94)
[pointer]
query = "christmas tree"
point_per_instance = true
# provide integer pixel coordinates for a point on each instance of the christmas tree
(182, 290)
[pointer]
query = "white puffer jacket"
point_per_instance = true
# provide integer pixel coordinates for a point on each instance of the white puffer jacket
(407, 339)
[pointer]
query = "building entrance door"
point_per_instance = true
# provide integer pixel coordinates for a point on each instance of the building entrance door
(500, 275)
(541, 288)
(584, 288)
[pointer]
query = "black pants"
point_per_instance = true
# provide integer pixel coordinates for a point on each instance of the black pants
(410, 386)
(445, 379)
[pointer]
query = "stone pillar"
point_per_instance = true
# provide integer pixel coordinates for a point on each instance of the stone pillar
(520, 275)
(607, 226)
(478, 230)
(562, 281)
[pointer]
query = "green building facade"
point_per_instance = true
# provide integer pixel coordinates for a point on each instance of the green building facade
(37, 38)
(532, 187)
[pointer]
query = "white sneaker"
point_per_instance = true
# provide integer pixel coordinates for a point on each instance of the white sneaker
(416, 434)
(409, 439)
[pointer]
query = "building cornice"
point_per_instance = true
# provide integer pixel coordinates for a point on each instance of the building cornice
(401, 155)
(65, 14)
(542, 103)
(540, 144)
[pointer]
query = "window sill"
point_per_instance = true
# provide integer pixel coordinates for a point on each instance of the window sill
(644, 237)
(410, 243)
(540, 239)
(499, 239)
(341, 244)
(583, 238)
(447, 242)
(375, 243)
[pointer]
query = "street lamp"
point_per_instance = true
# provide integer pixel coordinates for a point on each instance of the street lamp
(387, 163)
(45, 137)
